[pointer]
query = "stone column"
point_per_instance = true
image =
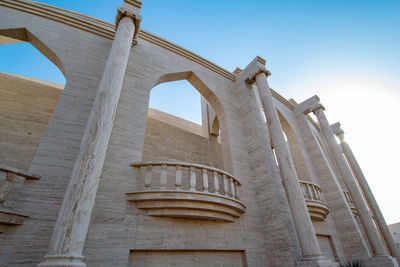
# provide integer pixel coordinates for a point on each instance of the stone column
(301, 217)
(359, 175)
(69, 234)
(366, 219)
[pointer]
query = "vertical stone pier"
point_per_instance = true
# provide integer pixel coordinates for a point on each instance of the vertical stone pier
(377, 246)
(302, 221)
(70, 231)
(359, 175)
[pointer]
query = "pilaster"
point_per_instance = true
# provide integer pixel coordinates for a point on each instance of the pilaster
(373, 205)
(70, 231)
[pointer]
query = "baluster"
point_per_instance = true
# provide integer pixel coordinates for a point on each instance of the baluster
(178, 181)
(147, 180)
(315, 192)
(216, 182)
(232, 193)
(346, 194)
(237, 190)
(320, 194)
(163, 177)
(205, 180)
(225, 184)
(308, 186)
(192, 179)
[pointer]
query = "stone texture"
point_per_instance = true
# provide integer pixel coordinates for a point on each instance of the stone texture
(120, 233)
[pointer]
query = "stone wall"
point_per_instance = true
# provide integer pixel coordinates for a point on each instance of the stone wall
(165, 142)
(26, 106)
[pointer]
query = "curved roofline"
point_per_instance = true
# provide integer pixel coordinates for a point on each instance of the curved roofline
(106, 30)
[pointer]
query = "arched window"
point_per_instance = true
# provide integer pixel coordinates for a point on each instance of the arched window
(178, 124)
(30, 86)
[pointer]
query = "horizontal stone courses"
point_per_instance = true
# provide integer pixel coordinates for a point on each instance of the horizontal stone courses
(106, 30)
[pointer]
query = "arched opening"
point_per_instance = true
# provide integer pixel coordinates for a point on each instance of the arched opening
(179, 135)
(295, 150)
(31, 81)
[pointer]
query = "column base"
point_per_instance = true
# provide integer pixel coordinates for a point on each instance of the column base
(319, 261)
(379, 261)
(62, 260)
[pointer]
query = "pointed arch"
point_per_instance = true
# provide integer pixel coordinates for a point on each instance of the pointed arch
(294, 147)
(18, 35)
(214, 102)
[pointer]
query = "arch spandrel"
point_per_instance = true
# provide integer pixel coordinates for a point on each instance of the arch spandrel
(17, 35)
(211, 98)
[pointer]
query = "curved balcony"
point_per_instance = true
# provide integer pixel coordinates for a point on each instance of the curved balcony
(196, 192)
(316, 204)
(351, 202)
(8, 175)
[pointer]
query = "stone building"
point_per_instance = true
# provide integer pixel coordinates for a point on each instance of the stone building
(90, 176)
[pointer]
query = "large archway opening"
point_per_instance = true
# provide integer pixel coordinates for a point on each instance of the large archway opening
(31, 82)
(179, 126)
(295, 149)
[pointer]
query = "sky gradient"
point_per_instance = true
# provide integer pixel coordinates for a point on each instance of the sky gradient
(346, 52)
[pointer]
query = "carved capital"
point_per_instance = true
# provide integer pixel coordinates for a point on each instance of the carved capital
(252, 79)
(337, 130)
(309, 105)
(125, 12)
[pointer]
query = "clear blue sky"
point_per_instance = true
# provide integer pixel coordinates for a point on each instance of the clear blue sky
(347, 52)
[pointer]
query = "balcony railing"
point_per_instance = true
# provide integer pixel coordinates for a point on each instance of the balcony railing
(195, 191)
(7, 178)
(350, 201)
(316, 204)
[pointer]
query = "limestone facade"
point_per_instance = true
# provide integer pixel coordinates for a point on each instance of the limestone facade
(90, 176)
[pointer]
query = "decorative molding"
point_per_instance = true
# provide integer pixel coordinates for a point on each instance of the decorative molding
(252, 79)
(124, 12)
(309, 105)
(215, 197)
(316, 204)
(187, 204)
(19, 172)
(12, 218)
(135, 3)
(337, 130)
(261, 60)
(106, 30)
(237, 71)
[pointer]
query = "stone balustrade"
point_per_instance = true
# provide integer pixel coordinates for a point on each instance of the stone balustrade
(316, 204)
(195, 191)
(8, 176)
(350, 201)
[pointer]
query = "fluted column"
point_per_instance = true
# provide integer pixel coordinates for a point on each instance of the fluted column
(366, 219)
(305, 230)
(70, 231)
(359, 175)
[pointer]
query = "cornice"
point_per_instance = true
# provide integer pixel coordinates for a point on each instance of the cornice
(106, 30)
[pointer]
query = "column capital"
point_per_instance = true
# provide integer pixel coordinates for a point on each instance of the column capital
(131, 9)
(337, 130)
(309, 105)
(252, 78)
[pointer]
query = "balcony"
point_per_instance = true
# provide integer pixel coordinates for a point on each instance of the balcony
(195, 192)
(316, 204)
(8, 175)
(351, 202)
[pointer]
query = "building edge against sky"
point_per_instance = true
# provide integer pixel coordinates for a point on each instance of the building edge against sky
(103, 183)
